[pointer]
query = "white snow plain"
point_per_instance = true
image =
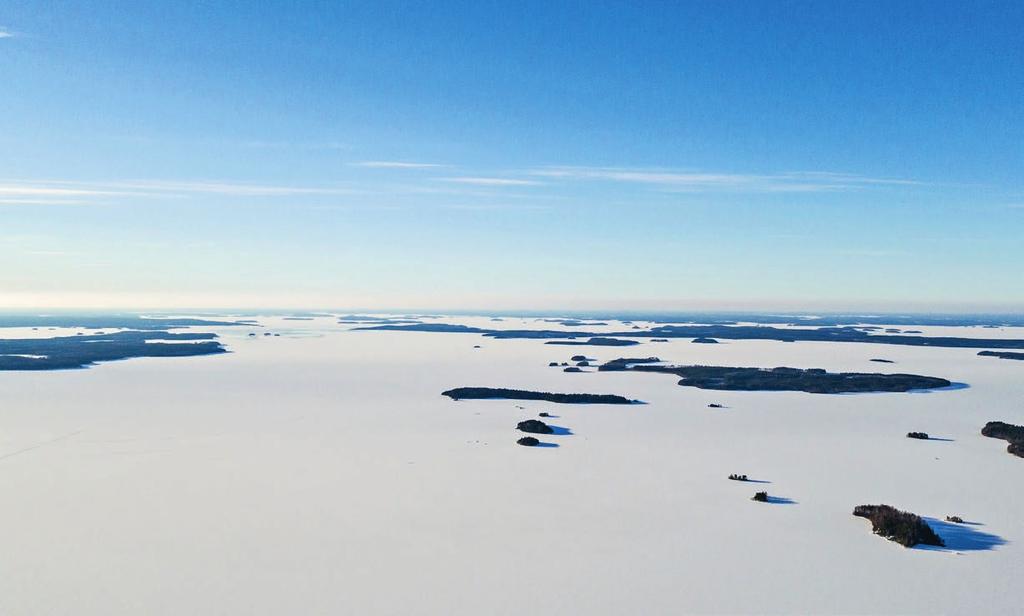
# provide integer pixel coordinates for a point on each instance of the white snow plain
(321, 472)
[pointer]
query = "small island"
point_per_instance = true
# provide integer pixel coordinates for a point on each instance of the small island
(903, 527)
(595, 341)
(1003, 355)
(703, 340)
(497, 393)
(623, 363)
(534, 426)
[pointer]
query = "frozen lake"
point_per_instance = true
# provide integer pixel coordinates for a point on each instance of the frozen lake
(321, 472)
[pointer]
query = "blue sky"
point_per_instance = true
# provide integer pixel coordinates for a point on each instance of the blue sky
(743, 155)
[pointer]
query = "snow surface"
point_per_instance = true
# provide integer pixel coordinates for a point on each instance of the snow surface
(321, 472)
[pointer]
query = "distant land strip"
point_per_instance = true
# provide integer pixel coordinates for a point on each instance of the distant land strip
(727, 332)
(113, 321)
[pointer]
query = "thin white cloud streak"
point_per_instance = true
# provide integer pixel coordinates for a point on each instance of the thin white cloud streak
(55, 189)
(832, 176)
(5, 201)
(489, 181)
(25, 190)
(5, 33)
(800, 181)
(228, 188)
(395, 164)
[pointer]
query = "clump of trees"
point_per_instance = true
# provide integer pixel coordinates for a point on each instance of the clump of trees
(955, 519)
(919, 435)
(1008, 432)
(534, 426)
(903, 527)
(761, 497)
(736, 477)
(528, 441)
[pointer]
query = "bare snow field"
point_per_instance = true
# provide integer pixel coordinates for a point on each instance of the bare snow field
(321, 472)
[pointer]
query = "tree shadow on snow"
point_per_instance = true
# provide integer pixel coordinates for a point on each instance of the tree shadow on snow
(961, 537)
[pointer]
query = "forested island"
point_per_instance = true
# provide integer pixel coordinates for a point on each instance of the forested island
(811, 380)
(905, 528)
(608, 342)
(81, 351)
(1010, 433)
(1003, 355)
(623, 363)
(497, 393)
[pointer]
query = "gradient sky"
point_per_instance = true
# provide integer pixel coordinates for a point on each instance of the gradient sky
(728, 155)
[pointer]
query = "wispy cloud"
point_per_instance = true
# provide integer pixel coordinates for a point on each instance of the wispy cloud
(5, 33)
(45, 190)
(490, 181)
(59, 191)
(16, 201)
(395, 164)
(797, 181)
(228, 188)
